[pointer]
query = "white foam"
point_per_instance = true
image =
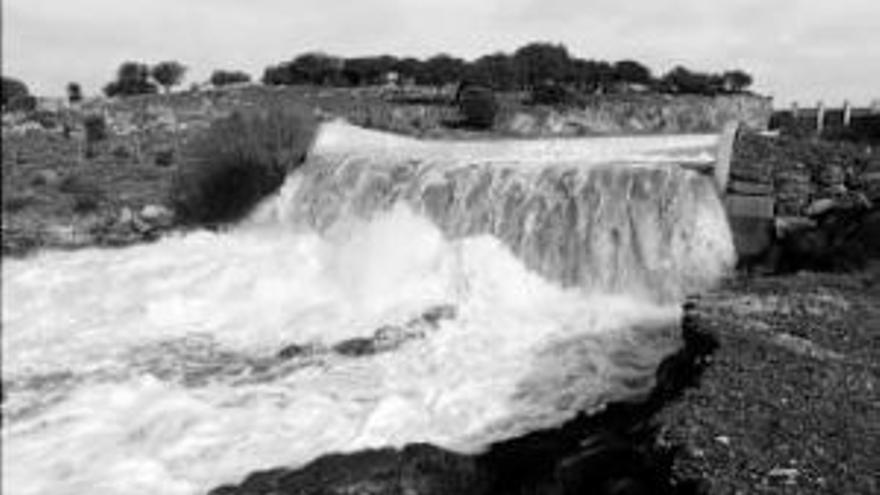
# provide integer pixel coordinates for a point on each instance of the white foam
(101, 349)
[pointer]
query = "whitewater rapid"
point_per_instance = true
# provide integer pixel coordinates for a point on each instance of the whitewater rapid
(181, 365)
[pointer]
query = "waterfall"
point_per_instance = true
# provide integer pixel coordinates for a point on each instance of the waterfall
(393, 291)
(617, 215)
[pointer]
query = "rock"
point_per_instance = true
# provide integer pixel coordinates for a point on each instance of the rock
(750, 188)
(723, 440)
(523, 124)
(820, 207)
(442, 312)
(871, 185)
(869, 234)
(157, 215)
(788, 475)
(356, 347)
(68, 236)
(787, 224)
(294, 350)
(46, 178)
(832, 174)
(126, 216)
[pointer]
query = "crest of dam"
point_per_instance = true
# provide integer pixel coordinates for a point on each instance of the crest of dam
(634, 215)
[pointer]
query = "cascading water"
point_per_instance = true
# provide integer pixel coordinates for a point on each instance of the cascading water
(394, 291)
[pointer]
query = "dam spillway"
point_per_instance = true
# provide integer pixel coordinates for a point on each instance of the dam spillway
(393, 291)
(624, 214)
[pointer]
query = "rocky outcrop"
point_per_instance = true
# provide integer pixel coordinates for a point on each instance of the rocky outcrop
(614, 452)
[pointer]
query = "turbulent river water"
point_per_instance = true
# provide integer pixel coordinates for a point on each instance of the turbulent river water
(393, 291)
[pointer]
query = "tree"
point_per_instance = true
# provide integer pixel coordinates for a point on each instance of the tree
(169, 73)
(132, 78)
(408, 68)
(74, 92)
(496, 71)
(319, 68)
(683, 81)
(442, 69)
(737, 81)
(590, 76)
(367, 70)
(16, 95)
(542, 63)
(224, 77)
(630, 71)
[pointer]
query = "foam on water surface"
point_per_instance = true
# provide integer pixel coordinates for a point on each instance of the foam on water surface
(156, 368)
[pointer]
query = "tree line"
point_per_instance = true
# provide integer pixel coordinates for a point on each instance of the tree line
(540, 67)
(530, 66)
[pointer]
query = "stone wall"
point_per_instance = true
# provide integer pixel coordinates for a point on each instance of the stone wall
(802, 201)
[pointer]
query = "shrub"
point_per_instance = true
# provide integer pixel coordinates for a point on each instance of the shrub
(96, 128)
(237, 161)
(86, 194)
(86, 202)
(121, 152)
(18, 201)
(164, 157)
(14, 93)
(477, 106)
(225, 78)
(553, 94)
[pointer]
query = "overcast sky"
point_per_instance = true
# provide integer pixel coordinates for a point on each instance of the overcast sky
(801, 50)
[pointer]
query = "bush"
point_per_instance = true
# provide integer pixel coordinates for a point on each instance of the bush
(477, 106)
(86, 202)
(553, 94)
(96, 131)
(224, 78)
(164, 157)
(238, 161)
(96, 128)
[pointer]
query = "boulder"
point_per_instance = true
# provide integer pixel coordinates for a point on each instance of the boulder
(820, 207)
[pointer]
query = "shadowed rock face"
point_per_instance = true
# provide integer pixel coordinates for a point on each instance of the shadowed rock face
(634, 226)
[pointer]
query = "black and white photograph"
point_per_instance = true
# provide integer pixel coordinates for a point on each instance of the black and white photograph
(440, 247)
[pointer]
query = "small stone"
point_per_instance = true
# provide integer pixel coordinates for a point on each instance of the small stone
(46, 178)
(157, 215)
(789, 475)
(820, 207)
(788, 224)
(126, 216)
(723, 440)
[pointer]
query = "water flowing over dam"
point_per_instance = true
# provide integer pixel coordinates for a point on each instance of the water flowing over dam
(393, 291)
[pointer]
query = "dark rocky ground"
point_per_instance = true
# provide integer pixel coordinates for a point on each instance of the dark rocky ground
(790, 402)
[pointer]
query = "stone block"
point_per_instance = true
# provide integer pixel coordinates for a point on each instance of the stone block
(749, 206)
(750, 188)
